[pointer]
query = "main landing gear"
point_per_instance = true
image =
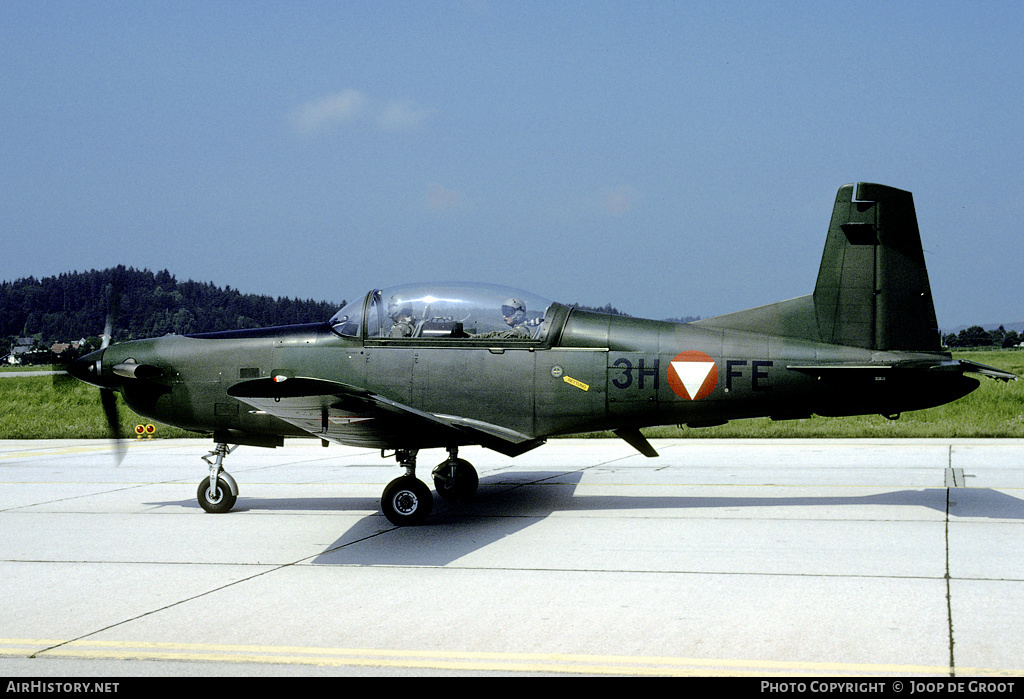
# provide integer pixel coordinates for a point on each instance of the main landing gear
(407, 500)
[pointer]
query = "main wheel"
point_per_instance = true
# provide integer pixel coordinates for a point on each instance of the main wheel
(221, 501)
(456, 480)
(406, 500)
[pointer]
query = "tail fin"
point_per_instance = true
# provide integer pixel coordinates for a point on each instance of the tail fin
(872, 288)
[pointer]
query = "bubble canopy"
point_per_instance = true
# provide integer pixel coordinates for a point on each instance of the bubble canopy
(446, 310)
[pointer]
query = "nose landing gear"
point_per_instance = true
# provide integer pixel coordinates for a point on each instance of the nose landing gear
(218, 492)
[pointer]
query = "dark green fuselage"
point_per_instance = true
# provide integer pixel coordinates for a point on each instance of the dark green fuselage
(591, 372)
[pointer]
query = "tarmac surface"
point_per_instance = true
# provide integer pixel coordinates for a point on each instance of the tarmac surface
(753, 557)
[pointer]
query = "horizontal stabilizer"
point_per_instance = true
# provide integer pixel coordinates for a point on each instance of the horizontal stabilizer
(962, 366)
(821, 370)
(989, 371)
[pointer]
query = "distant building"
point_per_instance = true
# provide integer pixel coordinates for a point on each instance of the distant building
(59, 348)
(22, 346)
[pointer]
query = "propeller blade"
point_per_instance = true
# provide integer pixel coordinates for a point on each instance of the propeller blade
(89, 369)
(113, 308)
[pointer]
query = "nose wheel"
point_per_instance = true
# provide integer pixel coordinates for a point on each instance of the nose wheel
(218, 500)
(217, 493)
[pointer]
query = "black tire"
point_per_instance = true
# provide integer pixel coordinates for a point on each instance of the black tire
(456, 480)
(406, 501)
(224, 500)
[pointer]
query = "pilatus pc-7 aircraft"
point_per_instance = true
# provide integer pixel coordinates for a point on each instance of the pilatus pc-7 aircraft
(421, 366)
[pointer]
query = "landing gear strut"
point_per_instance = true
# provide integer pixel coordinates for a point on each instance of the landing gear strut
(218, 492)
(455, 479)
(407, 500)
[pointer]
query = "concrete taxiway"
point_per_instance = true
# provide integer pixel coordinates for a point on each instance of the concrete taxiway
(718, 557)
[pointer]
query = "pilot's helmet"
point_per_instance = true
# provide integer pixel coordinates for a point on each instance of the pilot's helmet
(398, 308)
(513, 307)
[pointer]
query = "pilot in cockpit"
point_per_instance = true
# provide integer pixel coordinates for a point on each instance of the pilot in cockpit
(514, 313)
(404, 322)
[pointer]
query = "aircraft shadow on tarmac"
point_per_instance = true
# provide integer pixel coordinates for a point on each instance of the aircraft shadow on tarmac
(511, 502)
(508, 502)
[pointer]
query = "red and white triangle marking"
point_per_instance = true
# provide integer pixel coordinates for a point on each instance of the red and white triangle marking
(692, 375)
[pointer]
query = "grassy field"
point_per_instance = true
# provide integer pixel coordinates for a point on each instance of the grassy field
(37, 407)
(46, 407)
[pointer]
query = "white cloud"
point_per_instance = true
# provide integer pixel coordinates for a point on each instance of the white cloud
(350, 106)
(324, 113)
(401, 115)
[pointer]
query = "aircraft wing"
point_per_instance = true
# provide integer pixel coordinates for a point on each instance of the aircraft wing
(352, 415)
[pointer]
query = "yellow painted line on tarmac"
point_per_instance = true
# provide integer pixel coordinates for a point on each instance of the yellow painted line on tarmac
(54, 451)
(100, 446)
(459, 660)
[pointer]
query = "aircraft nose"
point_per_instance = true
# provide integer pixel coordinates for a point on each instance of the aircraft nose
(89, 368)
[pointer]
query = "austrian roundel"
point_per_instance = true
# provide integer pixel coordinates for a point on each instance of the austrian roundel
(692, 375)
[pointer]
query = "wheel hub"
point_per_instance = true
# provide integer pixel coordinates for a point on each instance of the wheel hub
(406, 502)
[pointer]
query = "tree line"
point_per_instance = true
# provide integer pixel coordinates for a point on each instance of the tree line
(977, 336)
(76, 305)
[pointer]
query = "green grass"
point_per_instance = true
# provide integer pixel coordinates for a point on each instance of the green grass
(47, 407)
(38, 407)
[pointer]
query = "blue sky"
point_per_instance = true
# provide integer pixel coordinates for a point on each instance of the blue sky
(671, 158)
